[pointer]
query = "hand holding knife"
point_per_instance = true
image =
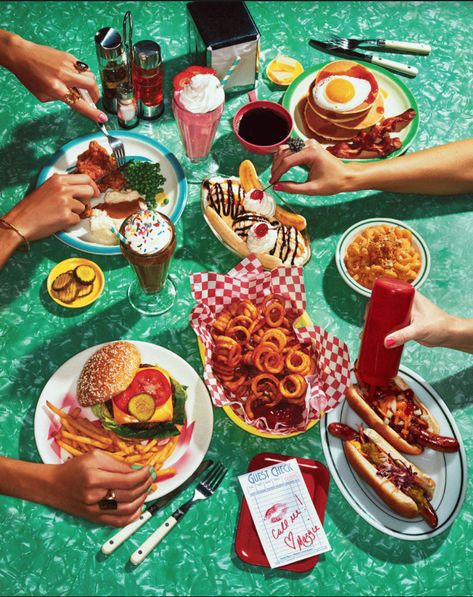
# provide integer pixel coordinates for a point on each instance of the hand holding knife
(126, 532)
(399, 67)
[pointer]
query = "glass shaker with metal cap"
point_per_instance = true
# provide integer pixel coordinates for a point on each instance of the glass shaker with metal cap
(148, 78)
(113, 71)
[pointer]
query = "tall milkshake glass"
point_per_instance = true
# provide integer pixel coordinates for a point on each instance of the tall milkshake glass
(197, 109)
(148, 246)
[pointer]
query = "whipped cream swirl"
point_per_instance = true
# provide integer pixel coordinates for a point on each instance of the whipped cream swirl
(261, 238)
(147, 232)
(203, 94)
(259, 202)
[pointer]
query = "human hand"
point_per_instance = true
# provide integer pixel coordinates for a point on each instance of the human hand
(50, 74)
(327, 174)
(81, 482)
(430, 326)
(55, 205)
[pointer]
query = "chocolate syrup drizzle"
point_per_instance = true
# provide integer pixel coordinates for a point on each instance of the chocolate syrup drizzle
(232, 207)
(243, 223)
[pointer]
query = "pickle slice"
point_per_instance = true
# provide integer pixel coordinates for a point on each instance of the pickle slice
(67, 295)
(142, 406)
(62, 281)
(85, 274)
(84, 290)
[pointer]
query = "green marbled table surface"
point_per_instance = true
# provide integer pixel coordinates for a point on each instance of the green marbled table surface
(45, 552)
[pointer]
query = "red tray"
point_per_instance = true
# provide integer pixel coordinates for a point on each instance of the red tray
(247, 544)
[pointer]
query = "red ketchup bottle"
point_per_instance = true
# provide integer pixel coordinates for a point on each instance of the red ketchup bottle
(389, 310)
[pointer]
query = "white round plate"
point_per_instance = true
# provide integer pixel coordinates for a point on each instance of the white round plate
(349, 235)
(61, 388)
(136, 146)
(449, 471)
(397, 99)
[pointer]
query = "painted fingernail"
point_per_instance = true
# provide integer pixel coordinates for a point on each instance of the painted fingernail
(153, 473)
(277, 187)
(149, 489)
(144, 508)
(136, 466)
(103, 117)
(390, 342)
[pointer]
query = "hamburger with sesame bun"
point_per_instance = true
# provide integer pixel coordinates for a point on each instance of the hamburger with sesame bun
(134, 400)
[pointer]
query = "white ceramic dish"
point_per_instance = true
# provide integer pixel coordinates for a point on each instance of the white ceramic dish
(449, 471)
(60, 390)
(349, 235)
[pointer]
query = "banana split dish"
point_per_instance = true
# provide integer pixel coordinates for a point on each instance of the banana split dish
(248, 220)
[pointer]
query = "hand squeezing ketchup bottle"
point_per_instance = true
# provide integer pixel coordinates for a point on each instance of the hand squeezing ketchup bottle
(389, 310)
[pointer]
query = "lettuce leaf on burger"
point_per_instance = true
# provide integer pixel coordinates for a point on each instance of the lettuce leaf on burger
(133, 400)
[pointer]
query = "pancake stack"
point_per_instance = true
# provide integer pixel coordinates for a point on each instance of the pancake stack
(343, 101)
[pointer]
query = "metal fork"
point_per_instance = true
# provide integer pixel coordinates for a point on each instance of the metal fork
(204, 490)
(387, 44)
(116, 145)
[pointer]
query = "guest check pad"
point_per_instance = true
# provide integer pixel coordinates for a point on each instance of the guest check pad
(285, 518)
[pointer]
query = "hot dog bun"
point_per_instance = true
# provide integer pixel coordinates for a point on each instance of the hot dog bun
(398, 501)
(358, 403)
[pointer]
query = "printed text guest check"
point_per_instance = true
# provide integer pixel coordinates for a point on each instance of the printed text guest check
(284, 515)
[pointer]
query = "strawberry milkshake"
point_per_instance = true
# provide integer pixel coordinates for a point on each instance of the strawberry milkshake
(197, 105)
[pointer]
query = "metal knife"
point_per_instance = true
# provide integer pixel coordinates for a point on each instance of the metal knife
(126, 532)
(399, 67)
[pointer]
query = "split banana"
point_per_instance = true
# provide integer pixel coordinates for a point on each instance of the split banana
(248, 176)
(291, 219)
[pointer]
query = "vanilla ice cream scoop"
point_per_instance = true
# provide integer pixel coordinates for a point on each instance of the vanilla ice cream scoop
(203, 94)
(260, 202)
(261, 238)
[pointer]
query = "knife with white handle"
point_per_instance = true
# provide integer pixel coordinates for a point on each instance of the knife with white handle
(126, 532)
(154, 539)
(406, 46)
(405, 69)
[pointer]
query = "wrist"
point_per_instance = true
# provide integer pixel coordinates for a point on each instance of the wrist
(354, 177)
(459, 334)
(10, 44)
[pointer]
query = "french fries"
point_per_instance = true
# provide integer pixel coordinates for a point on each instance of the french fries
(77, 435)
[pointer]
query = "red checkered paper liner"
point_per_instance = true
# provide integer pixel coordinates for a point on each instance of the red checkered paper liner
(248, 280)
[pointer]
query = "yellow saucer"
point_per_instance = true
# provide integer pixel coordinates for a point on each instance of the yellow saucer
(69, 264)
(283, 70)
(303, 321)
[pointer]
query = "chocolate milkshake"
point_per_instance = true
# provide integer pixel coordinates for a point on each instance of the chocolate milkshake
(150, 243)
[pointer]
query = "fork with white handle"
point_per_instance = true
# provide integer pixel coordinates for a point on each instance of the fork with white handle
(204, 490)
(386, 44)
(116, 145)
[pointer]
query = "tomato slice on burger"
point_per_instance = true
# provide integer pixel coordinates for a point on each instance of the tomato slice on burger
(184, 78)
(147, 381)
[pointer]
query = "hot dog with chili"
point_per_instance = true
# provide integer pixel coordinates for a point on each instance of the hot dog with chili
(398, 415)
(400, 484)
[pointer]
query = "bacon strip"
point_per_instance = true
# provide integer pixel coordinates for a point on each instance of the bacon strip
(375, 143)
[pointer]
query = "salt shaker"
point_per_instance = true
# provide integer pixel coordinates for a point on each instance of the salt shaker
(127, 107)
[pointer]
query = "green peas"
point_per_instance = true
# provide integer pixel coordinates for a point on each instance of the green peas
(146, 178)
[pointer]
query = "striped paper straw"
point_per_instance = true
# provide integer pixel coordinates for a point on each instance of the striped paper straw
(230, 71)
(120, 237)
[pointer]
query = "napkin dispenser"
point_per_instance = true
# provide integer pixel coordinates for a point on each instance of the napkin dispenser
(219, 32)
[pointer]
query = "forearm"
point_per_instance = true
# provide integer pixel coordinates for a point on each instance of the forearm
(443, 170)
(460, 335)
(27, 480)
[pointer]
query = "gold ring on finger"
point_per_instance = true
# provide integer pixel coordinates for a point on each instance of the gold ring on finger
(71, 97)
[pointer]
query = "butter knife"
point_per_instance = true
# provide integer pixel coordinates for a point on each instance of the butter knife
(126, 532)
(399, 67)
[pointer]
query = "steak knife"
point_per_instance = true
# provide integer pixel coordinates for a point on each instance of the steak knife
(399, 67)
(126, 532)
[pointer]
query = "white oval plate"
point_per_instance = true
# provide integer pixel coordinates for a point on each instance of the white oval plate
(349, 235)
(61, 388)
(449, 471)
(136, 146)
(398, 99)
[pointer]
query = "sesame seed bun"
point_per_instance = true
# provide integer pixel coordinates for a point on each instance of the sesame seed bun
(108, 372)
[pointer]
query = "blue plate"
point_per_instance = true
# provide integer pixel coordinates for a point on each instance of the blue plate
(136, 146)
